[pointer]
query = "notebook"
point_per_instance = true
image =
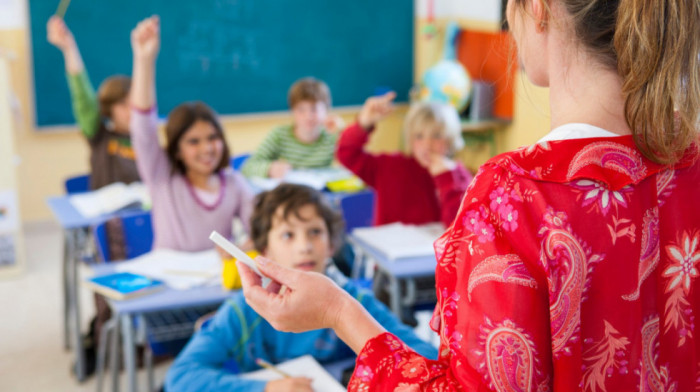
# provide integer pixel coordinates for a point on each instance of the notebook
(178, 270)
(305, 366)
(397, 240)
(123, 285)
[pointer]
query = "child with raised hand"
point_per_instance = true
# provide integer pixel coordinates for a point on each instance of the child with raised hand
(103, 119)
(193, 189)
(422, 187)
(296, 227)
(307, 143)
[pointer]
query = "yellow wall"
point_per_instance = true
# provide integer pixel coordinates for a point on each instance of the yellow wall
(48, 157)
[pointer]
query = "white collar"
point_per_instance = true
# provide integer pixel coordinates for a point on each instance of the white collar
(576, 131)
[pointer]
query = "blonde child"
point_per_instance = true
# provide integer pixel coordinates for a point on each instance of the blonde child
(422, 187)
(295, 226)
(194, 191)
(103, 119)
(307, 143)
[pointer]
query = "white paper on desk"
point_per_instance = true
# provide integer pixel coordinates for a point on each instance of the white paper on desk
(179, 270)
(305, 366)
(110, 198)
(314, 178)
(397, 240)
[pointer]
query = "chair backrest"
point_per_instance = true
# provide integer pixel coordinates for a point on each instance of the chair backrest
(238, 161)
(358, 209)
(137, 234)
(77, 184)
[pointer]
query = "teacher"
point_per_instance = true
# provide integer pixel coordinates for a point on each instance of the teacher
(573, 263)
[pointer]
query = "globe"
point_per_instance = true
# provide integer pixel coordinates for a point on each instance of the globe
(447, 81)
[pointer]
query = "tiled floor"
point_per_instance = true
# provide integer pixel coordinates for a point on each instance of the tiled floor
(32, 357)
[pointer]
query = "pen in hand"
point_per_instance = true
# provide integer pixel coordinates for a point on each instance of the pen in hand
(267, 365)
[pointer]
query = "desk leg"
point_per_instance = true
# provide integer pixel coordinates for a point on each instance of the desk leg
(74, 302)
(114, 353)
(128, 350)
(66, 294)
(395, 295)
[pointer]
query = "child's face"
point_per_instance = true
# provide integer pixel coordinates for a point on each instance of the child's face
(121, 114)
(299, 243)
(309, 117)
(200, 148)
(427, 142)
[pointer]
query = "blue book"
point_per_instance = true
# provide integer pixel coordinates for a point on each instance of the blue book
(123, 285)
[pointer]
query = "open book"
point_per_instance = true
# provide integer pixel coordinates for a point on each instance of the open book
(397, 240)
(178, 270)
(110, 198)
(305, 366)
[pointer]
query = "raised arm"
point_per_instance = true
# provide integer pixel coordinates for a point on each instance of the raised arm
(145, 43)
(351, 145)
(83, 99)
(152, 162)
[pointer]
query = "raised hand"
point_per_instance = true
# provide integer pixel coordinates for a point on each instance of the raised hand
(145, 38)
(375, 109)
(292, 384)
(59, 35)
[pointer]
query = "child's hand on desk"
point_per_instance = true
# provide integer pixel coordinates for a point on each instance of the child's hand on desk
(309, 301)
(278, 169)
(375, 109)
(292, 384)
(145, 39)
(59, 35)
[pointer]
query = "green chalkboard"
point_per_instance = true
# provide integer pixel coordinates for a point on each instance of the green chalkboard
(239, 56)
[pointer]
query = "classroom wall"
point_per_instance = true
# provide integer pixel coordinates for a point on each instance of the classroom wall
(47, 158)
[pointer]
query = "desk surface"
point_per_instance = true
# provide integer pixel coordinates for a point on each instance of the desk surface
(69, 217)
(411, 267)
(166, 299)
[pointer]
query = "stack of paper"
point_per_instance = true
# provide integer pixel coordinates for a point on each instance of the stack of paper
(397, 240)
(110, 198)
(178, 270)
(305, 366)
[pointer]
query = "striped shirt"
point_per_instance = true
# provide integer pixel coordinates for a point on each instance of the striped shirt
(282, 144)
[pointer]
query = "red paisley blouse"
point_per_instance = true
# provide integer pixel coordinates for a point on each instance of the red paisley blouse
(572, 265)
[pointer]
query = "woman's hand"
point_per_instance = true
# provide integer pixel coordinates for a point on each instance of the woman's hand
(59, 35)
(298, 301)
(145, 39)
(375, 109)
(308, 301)
(292, 384)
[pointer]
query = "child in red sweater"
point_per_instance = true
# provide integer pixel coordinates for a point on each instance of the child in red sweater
(422, 187)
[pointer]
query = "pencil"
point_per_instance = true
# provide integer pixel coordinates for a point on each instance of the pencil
(267, 365)
(62, 8)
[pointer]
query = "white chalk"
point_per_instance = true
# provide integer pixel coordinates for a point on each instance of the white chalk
(238, 253)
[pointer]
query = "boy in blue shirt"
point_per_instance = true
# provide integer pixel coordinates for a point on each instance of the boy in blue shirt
(294, 226)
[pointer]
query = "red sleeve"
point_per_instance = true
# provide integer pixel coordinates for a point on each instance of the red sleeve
(493, 306)
(451, 186)
(352, 155)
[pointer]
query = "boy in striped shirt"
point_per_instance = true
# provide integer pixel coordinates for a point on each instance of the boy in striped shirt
(307, 143)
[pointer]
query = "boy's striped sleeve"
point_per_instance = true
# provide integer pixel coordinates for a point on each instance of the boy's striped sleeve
(258, 164)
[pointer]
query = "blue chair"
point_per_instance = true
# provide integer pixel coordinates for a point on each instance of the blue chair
(138, 236)
(238, 161)
(358, 209)
(77, 184)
